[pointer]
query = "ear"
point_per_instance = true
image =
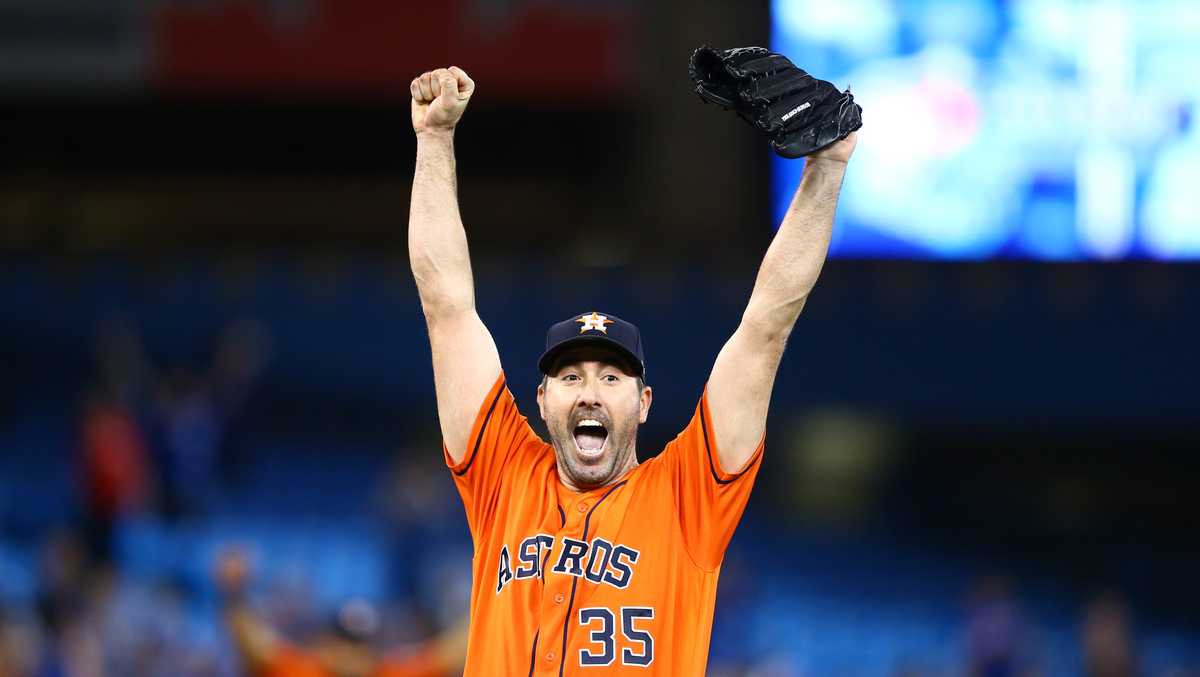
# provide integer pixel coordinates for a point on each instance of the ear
(541, 400)
(647, 396)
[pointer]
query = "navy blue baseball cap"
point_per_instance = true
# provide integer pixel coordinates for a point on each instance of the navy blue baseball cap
(594, 329)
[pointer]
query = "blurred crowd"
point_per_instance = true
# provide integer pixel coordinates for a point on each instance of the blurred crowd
(91, 620)
(156, 438)
(158, 444)
(164, 444)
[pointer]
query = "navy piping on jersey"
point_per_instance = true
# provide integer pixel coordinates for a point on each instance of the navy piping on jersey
(575, 581)
(708, 450)
(562, 518)
(482, 429)
(533, 652)
(562, 522)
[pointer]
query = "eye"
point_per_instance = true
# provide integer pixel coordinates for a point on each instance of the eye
(571, 377)
(611, 378)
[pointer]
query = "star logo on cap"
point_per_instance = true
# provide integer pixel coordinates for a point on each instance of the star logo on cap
(593, 321)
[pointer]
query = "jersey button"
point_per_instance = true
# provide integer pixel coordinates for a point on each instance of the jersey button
(558, 599)
(550, 657)
(582, 507)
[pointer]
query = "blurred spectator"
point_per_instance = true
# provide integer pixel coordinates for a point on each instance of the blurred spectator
(290, 604)
(997, 638)
(191, 437)
(347, 648)
(16, 645)
(114, 458)
(196, 410)
(95, 622)
(144, 627)
(123, 367)
(420, 507)
(1107, 639)
(70, 646)
(191, 411)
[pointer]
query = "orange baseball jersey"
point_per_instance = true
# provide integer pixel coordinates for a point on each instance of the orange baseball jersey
(619, 580)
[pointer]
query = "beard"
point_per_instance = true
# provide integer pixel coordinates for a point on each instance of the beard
(591, 472)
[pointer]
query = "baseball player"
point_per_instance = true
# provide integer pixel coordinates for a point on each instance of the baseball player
(585, 561)
(344, 651)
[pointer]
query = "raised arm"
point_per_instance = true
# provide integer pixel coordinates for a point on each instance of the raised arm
(255, 641)
(739, 388)
(465, 360)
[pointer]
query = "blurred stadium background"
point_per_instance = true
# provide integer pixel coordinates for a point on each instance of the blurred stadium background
(211, 342)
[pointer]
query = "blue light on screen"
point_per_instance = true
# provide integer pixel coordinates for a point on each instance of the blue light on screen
(1043, 129)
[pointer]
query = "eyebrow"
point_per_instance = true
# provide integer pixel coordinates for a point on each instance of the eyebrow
(623, 368)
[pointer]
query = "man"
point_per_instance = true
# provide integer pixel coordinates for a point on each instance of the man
(583, 558)
(344, 650)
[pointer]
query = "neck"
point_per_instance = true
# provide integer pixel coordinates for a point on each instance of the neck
(625, 468)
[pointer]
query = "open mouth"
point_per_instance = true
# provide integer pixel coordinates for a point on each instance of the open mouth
(590, 437)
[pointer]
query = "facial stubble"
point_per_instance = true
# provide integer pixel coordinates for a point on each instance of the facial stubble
(585, 477)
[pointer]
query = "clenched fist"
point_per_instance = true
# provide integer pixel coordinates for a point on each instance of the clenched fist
(232, 570)
(439, 98)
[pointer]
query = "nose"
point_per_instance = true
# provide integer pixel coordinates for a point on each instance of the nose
(589, 394)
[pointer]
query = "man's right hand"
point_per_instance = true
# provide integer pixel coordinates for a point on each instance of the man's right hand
(439, 98)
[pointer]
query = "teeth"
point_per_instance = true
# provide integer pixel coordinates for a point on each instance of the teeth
(590, 421)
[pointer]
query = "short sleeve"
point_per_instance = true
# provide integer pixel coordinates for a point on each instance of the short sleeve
(710, 499)
(497, 437)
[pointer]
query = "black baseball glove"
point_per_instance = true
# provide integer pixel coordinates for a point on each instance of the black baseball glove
(799, 113)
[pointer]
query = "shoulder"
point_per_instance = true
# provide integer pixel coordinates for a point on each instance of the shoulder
(655, 468)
